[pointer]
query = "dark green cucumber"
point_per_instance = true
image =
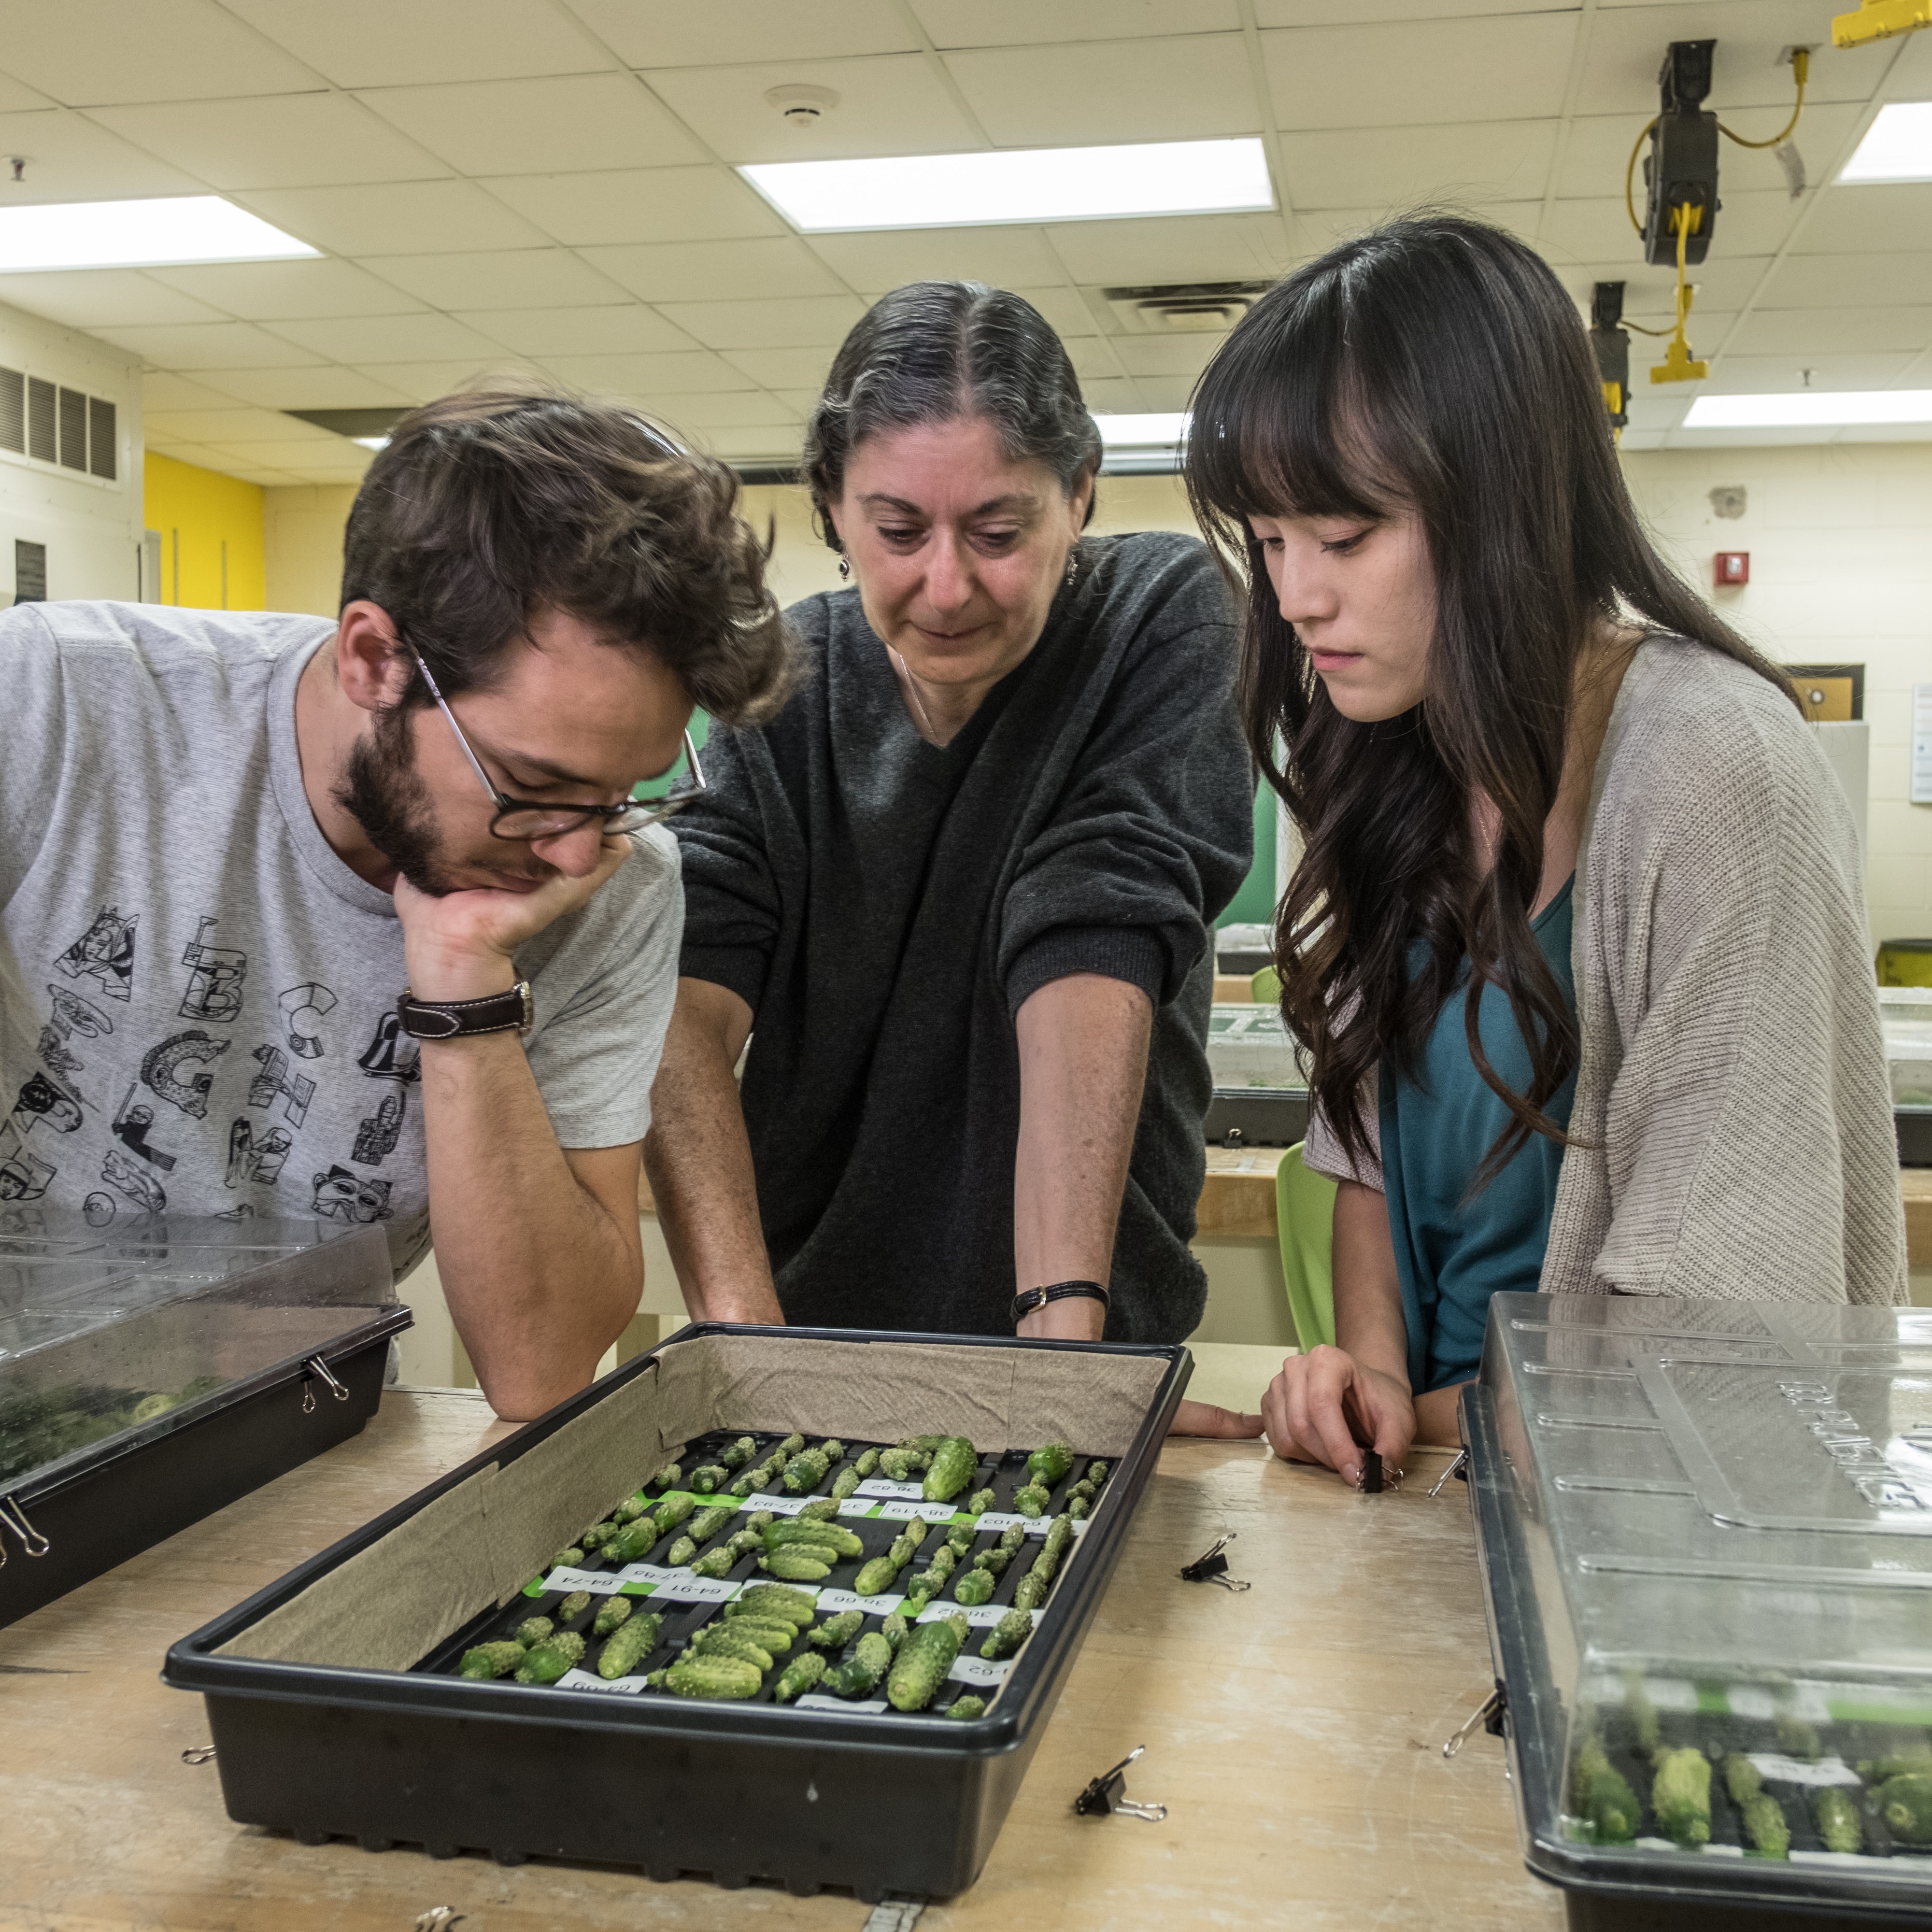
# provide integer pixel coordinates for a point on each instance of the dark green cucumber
(817, 1534)
(836, 1632)
(715, 1563)
(1905, 1803)
(798, 1676)
(1049, 1463)
(549, 1659)
(706, 1481)
(804, 1473)
(922, 1663)
(869, 1662)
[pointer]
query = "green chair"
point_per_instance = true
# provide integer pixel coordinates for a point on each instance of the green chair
(1304, 1210)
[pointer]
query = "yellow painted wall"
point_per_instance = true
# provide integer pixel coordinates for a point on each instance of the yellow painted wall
(210, 530)
(304, 527)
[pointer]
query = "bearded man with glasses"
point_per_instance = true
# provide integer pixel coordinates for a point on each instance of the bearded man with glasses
(370, 906)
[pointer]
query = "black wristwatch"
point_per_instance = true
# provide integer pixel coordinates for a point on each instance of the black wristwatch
(1030, 1300)
(455, 1019)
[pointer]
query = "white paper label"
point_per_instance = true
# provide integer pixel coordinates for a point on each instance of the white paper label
(857, 1506)
(908, 1512)
(777, 1505)
(598, 1582)
(978, 1616)
(1037, 1526)
(995, 1520)
(582, 1680)
(878, 1486)
(979, 1670)
(811, 1701)
(683, 1588)
(832, 1601)
(647, 1572)
(1794, 1771)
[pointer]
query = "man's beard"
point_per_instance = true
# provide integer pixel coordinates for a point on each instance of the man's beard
(380, 791)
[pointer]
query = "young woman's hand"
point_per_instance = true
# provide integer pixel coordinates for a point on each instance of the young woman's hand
(1325, 1406)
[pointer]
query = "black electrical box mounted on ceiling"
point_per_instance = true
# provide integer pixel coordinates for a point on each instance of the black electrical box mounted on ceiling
(1681, 170)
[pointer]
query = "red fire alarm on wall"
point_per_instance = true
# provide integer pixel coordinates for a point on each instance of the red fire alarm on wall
(1733, 568)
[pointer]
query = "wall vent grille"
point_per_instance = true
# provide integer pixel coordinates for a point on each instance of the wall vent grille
(52, 424)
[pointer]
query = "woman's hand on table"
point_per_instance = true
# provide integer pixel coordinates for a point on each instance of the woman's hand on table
(1206, 1418)
(1325, 1405)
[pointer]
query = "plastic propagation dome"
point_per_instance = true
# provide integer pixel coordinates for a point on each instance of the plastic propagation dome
(1706, 1531)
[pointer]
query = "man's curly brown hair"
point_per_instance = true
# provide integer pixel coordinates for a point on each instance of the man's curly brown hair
(493, 505)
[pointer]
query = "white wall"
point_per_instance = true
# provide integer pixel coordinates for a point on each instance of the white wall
(91, 528)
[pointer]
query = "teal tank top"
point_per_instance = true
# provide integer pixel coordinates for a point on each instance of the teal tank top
(1452, 1251)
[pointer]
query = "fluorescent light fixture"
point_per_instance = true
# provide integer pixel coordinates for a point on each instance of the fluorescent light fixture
(1026, 184)
(371, 441)
(1897, 147)
(1811, 409)
(1150, 432)
(171, 228)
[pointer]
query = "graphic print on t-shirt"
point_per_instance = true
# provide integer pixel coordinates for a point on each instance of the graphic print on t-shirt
(303, 1009)
(379, 1132)
(142, 1188)
(72, 1015)
(384, 1057)
(43, 1104)
(161, 1064)
(23, 1175)
(131, 1129)
(257, 1160)
(104, 953)
(215, 977)
(341, 1196)
(275, 1082)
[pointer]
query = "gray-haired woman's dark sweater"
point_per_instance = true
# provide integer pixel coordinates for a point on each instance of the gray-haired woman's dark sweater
(884, 905)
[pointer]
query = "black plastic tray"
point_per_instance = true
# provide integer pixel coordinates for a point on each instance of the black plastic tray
(909, 1804)
(1260, 1116)
(133, 1494)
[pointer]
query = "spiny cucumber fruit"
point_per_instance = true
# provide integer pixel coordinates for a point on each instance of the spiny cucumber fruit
(821, 1509)
(868, 1462)
(814, 1534)
(992, 1561)
(805, 1472)
(706, 1481)
(672, 1511)
(610, 1613)
(575, 1605)
(1741, 1779)
(1007, 1635)
(899, 1464)
(680, 1552)
(1059, 1535)
(954, 1462)
(633, 1542)
(832, 1450)
(1837, 1818)
(1905, 1803)
(597, 1534)
(794, 1606)
(923, 1662)
(740, 1453)
(875, 1578)
(1900, 1764)
(1078, 1508)
(1096, 1474)
(847, 1480)
(1680, 1794)
(894, 1629)
(1764, 1824)
(966, 1708)
(979, 1502)
(1032, 1501)
(715, 1677)
(905, 1546)
(1601, 1793)
(975, 1587)
(790, 1446)
(776, 1636)
(707, 1522)
(1082, 1488)
(666, 1477)
(860, 1672)
(745, 1541)
(715, 1563)
(629, 1510)
(798, 1676)
(630, 1645)
(567, 1559)
(1795, 1737)
(728, 1640)
(960, 1537)
(487, 1661)
(549, 1661)
(533, 1630)
(796, 1563)
(1030, 1594)
(1011, 1539)
(1050, 1462)
(836, 1632)
(749, 1481)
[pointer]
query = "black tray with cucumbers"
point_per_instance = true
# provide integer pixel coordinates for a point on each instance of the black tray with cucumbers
(153, 1369)
(1705, 1530)
(752, 1565)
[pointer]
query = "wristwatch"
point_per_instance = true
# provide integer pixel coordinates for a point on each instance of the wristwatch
(455, 1019)
(1030, 1301)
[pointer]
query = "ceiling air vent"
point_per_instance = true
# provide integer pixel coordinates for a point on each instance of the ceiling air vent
(1180, 308)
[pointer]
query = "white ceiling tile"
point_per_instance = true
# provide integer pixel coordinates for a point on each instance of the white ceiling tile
(1161, 392)
(1319, 229)
(72, 160)
(563, 124)
(424, 382)
(403, 218)
(1466, 163)
(1115, 396)
(209, 345)
(1337, 12)
(1093, 356)
(279, 291)
(716, 271)
(627, 329)
(392, 338)
(648, 34)
(1748, 224)
(325, 387)
(103, 298)
(732, 409)
(1005, 257)
(502, 278)
(800, 402)
(699, 204)
(344, 456)
(17, 97)
(1797, 332)
(1174, 248)
(161, 391)
(1184, 354)
(1187, 89)
(693, 372)
(1062, 307)
(785, 371)
(1598, 154)
(777, 442)
(1849, 281)
(238, 423)
(1013, 23)
(812, 319)
(1774, 375)
(1509, 68)
(288, 140)
(377, 43)
(1650, 295)
(183, 451)
(86, 52)
(1868, 220)
(889, 104)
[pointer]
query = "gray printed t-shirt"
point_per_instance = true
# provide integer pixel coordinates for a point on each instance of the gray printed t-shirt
(197, 997)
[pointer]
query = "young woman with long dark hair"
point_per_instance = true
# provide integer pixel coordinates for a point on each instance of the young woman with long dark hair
(1576, 940)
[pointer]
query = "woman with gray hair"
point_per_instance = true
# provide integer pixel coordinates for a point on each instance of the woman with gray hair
(958, 893)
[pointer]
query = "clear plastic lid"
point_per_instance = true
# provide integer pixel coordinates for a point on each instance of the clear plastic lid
(1710, 1526)
(108, 1336)
(1249, 1046)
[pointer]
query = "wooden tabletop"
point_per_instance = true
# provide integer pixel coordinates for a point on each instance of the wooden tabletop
(1295, 1732)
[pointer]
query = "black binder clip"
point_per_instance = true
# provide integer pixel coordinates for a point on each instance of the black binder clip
(1375, 1478)
(1103, 1796)
(1213, 1567)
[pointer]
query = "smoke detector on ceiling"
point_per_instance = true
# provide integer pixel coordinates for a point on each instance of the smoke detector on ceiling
(1181, 308)
(803, 106)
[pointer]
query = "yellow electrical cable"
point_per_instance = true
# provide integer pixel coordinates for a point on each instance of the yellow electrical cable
(1678, 365)
(1801, 66)
(1630, 173)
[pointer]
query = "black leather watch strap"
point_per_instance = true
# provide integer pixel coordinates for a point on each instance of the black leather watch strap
(458, 1019)
(1030, 1301)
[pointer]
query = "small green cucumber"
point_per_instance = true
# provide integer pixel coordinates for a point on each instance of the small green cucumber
(954, 1462)
(1764, 1824)
(749, 1481)
(816, 1535)
(798, 1676)
(575, 1605)
(715, 1563)
(894, 1629)
(534, 1630)
(1007, 1635)
(1032, 1501)
(744, 1541)
(629, 1510)
(706, 1481)
(790, 1446)
(1096, 1474)
(795, 1606)
(721, 1678)
(804, 1473)
(847, 1480)
(728, 1640)
(597, 1534)
(672, 1511)
(776, 1636)
(667, 1477)
(921, 1665)
(548, 1661)
(680, 1552)
(1050, 1462)
(876, 1578)
(868, 1462)
(979, 1502)
(610, 1613)
(976, 1586)
(869, 1662)
(1905, 1803)
(832, 1450)
(707, 1522)
(567, 1559)
(836, 1632)
(491, 1660)
(966, 1708)
(1837, 1818)
(992, 1561)
(629, 1645)
(821, 1509)
(794, 1564)
(1059, 1535)
(740, 1453)
(1078, 1508)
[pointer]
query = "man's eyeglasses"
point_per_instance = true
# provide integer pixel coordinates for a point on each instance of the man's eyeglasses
(523, 818)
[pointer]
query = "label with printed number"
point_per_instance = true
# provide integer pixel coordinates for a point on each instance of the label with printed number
(857, 1506)
(979, 1670)
(598, 1582)
(996, 1521)
(879, 1486)
(683, 1588)
(908, 1512)
(583, 1680)
(777, 1505)
(978, 1616)
(832, 1601)
(811, 1701)
(652, 1573)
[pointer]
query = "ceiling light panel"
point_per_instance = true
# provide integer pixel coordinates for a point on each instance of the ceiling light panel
(1898, 148)
(139, 234)
(1029, 184)
(1142, 432)
(1811, 409)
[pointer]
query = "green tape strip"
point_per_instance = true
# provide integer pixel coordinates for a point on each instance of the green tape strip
(1711, 1699)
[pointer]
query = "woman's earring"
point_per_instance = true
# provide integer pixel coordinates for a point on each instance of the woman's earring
(1072, 564)
(844, 566)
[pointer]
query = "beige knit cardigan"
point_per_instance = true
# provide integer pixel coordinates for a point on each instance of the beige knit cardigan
(1732, 1131)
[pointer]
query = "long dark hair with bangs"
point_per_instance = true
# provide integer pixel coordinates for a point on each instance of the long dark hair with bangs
(1435, 365)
